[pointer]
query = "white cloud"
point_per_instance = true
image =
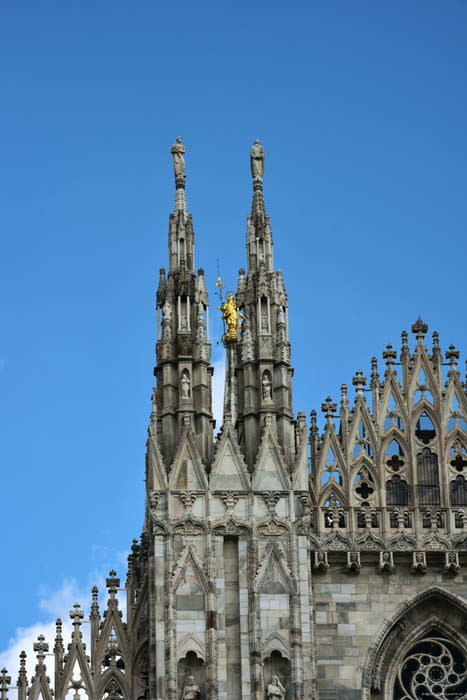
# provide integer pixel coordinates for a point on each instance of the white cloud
(54, 604)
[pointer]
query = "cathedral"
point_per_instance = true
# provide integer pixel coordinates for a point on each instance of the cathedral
(277, 562)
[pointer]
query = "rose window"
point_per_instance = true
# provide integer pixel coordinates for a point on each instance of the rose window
(434, 669)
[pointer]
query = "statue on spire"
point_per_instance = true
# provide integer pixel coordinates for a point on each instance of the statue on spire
(177, 151)
(257, 161)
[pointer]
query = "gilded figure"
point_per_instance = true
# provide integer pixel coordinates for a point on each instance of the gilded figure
(230, 314)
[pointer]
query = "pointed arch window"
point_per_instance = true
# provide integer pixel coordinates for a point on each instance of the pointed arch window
(459, 491)
(425, 430)
(428, 478)
(397, 492)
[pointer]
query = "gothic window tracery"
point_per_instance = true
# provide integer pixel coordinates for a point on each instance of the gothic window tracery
(425, 430)
(434, 668)
(362, 444)
(423, 391)
(456, 418)
(428, 478)
(334, 515)
(459, 491)
(397, 491)
(331, 470)
(393, 417)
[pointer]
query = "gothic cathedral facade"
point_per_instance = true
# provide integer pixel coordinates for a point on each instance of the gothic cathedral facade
(278, 563)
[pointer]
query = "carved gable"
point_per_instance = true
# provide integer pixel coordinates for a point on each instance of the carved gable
(270, 472)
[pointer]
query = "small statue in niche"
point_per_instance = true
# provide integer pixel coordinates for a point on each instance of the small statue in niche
(275, 690)
(267, 387)
(167, 311)
(264, 323)
(191, 691)
(154, 399)
(185, 385)
(177, 151)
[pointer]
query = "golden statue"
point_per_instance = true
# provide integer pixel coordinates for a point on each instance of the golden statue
(230, 314)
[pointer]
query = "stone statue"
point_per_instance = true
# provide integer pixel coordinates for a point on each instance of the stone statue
(257, 160)
(230, 314)
(191, 691)
(185, 385)
(267, 387)
(177, 151)
(167, 311)
(276, 690)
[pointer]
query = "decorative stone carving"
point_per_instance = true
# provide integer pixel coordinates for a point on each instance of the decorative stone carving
(336, 543)
(435, 543)
(271, 498)
(419, 562)
(230, 500)
(401, 543)
(370, 543)
(272, 528)
(386, 561)
(353, 562)
(451, 562)
(188, 498)
(320, 562)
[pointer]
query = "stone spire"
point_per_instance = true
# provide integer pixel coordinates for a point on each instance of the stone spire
(183, 350)
(264, 373)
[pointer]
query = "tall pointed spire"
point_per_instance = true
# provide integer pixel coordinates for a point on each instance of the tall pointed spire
(183, 350)
(258, 234)
(264, 374)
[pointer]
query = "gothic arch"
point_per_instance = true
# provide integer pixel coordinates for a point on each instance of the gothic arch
(107, 677)
(190, 642)
(400, 438)
(337, 490)
(425, 407)
(370, 467)
(438, 608)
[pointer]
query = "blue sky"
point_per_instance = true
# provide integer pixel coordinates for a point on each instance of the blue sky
(361, 109)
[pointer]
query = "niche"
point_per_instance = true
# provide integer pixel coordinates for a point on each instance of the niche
(191, 665)
(277, 665)
(185, 384)
(266, 386)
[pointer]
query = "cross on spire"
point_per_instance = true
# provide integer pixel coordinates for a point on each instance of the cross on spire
(389, 355)
(359, 382)
(41, 647)
(76, 616)
(113, 584)
(329, 408)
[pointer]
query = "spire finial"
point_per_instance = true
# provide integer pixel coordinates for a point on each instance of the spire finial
(4, 683)
(420, 329)
(113, 585)
(22, 677)
(177, 151)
